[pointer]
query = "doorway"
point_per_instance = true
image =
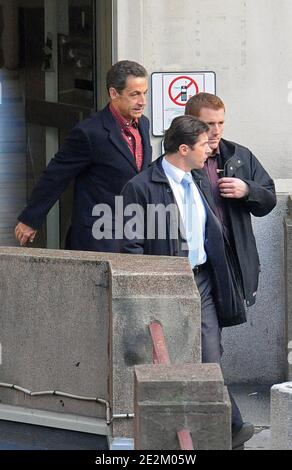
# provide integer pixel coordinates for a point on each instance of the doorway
(61, 51)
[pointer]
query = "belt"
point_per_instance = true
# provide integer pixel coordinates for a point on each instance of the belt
(199, 268)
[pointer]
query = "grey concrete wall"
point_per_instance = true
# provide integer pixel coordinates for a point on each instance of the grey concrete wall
(232, 38)
(256, 351)
(288, 287)
(254, 79)
(77, 322)
(54, 326)
(146, 288)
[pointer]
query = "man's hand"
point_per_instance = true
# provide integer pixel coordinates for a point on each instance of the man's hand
(233, 188)
(24, 233)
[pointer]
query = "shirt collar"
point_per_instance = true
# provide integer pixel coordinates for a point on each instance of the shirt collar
(216, 154)
(173, 171)
(123, 122)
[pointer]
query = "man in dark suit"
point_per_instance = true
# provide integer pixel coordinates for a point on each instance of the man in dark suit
(101, 154)
(163, 186)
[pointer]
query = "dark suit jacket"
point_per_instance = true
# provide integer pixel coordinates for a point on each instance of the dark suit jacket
(97, 157)
(152, 187)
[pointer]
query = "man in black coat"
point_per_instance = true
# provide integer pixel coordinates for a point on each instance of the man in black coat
(101, 154)
(157, 197)
(236, 186)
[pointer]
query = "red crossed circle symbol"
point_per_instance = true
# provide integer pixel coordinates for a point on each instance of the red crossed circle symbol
(175, 99)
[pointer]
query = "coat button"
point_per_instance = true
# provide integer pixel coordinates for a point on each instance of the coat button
(231, 168)
(238, 161)
(168, 190)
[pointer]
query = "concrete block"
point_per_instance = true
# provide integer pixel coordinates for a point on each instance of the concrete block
(288, 287)
(281, 416)
(185, 396)
(150, 288)
(54, 326)
(77, 322)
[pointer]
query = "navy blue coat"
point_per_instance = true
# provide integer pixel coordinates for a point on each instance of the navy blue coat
(97, 157)
(152, 187)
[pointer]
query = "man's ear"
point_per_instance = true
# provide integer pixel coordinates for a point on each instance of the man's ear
(114, 94)
(183, 149)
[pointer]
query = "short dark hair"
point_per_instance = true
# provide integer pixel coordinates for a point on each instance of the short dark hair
(203, 100)
(183, 130)
(119, 72)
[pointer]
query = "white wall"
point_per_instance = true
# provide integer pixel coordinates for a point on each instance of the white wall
(246, 42)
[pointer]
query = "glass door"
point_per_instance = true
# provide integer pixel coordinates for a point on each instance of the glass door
(76, 74)
(62, 41)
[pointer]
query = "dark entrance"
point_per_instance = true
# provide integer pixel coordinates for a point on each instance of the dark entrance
(53, 60)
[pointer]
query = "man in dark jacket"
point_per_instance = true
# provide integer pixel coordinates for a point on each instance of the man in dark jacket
(236, 186)
(101, 154)
(161, 214)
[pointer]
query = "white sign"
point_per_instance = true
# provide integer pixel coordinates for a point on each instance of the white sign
(171, 91)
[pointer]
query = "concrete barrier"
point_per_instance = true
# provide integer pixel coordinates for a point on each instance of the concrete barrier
(281, 416)
(169, 398)
(288, 288)
(77, 322)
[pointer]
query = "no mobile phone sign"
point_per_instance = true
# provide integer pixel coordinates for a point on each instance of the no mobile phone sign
(181, 88)
(170, 92)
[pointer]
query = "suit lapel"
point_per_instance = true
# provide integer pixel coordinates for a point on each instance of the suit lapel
(146, 145)
(116, 138)
(202, 181)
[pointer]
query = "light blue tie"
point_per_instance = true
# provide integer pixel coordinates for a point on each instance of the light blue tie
(191, 219)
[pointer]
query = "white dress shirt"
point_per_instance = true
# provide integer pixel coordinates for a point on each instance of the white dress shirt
(175, 176)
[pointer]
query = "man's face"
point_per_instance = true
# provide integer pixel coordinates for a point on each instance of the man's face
(215, 119)
(130, 102)
(198, 154)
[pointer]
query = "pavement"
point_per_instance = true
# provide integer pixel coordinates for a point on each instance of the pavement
(254, 404)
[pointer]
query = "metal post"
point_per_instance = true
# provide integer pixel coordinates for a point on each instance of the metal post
(185, 440)
(160, 353)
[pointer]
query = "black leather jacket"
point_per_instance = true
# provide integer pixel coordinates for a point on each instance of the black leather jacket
(239, 162)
